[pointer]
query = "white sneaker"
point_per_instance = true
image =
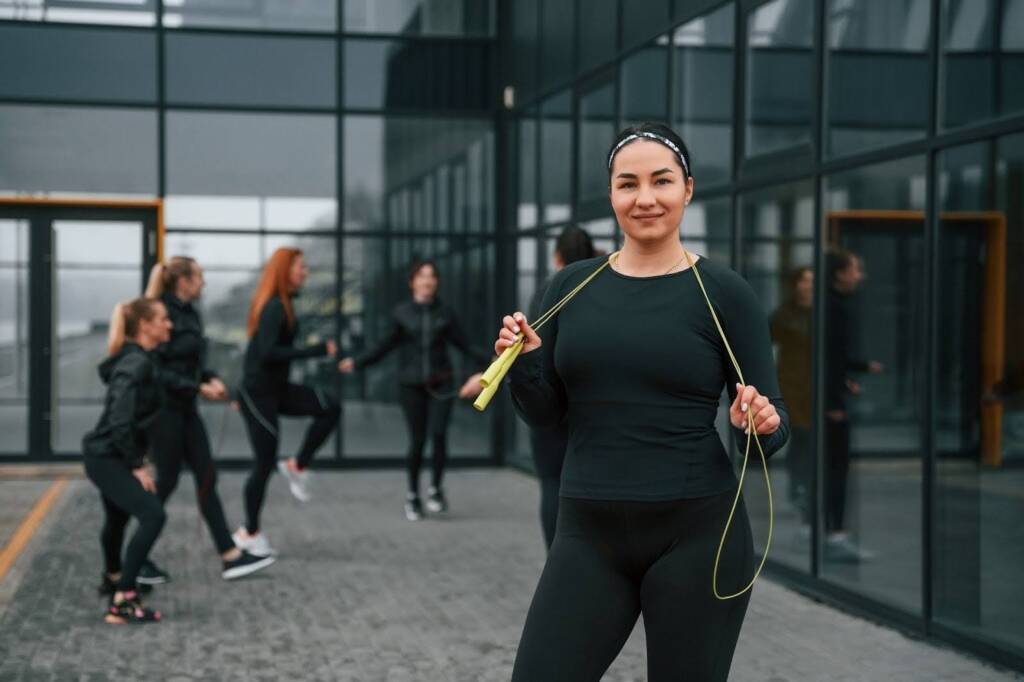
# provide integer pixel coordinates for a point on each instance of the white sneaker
(297, 481)
(256, 545)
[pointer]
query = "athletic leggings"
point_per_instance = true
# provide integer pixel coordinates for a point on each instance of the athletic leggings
(260, 411)
(123, 498)
(837, 473)
(425, 413)
(548, 446)
(612, 561)
(179, 437)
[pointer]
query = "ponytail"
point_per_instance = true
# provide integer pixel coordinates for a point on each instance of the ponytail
(124, 321)
(164, 278)
(155, 285)
(115, 336)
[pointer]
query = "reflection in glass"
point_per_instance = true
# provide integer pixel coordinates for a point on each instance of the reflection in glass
(14, 361)
(642, 19)
(596, 116)
(873, 364)
(780, 75)
(643, 89)
(556, 158)
(704, 92)
(232, 265)
(525, 44)
(419, 17)
(877, 52)
(707, 228)
(980, 401)
(401, 172)
(558, 25)
(291, 15)
(375, 281)
(526, 211)
(597, 30)
(116, 12)
(778, 255)
(98, 264)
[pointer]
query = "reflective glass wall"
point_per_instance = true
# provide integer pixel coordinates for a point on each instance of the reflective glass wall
(859, 163)
(360, 131)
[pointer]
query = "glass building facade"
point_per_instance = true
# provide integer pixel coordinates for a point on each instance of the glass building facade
(368, 132)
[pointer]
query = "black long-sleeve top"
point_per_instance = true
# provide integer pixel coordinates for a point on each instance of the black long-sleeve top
(422, 333)
(841, 353)
(134, 396)
(182, 360)
(271, 350)
(637, 367)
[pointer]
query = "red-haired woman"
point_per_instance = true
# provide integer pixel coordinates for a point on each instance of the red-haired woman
(266, 393)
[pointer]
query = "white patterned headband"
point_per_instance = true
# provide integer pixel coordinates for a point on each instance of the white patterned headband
(651, 136)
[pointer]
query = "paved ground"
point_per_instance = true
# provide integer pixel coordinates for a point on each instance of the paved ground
(359, 594)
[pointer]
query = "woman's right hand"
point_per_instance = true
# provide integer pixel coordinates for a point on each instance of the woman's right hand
(516, 324)
(347, 366)
(148, 484)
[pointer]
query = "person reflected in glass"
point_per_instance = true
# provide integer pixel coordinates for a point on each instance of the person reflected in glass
(422, 327)
(791, 331)
(845, 273)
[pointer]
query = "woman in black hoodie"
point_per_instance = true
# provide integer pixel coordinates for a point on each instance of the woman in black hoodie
(422, 327)
(114, 451)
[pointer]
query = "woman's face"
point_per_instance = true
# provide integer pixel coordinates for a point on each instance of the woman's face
(297, 273)
(805, 289)
(649, 192)
(194, 283)
(424, 283)
(157, 327)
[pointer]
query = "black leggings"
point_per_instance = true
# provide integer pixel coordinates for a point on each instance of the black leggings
(425, 413)
(548, 446)
(612, 561)
(261, 411)
(179, 437)
(837, 473)
(123, 498)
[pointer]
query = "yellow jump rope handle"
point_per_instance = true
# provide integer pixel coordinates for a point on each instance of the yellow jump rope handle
(495, 374)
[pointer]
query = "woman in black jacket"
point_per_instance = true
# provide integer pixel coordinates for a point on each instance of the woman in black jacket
(178, 433)
(266, 392)
(421, 329)
(114, 450)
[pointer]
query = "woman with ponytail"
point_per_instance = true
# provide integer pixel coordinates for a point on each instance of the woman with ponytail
(266, 392)
(178, 433)
(114, 450)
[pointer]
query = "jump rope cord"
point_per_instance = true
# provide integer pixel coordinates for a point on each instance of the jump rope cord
(501, 366)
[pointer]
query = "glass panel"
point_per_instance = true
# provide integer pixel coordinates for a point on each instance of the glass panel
(982, 60)
(704, 105)
(528, 274)
(642, 19)
(251, 71)
(780, 75)
(525, 47)
(77, 63)
(707, 228)
(291, 15)
(558, 22)
(78, 149)
(877, 52)
(251, 171)
(232, 265)
(375, 281)
(980, 420)
(526, 212)
(416, 74)
(874, 368)
(14, 302)
(596, 116)
(419, 17)
(597, 33)
(777, 227)
(117, 12)
(643, 90)
(556, 158)
(392, 166)
(98, 264)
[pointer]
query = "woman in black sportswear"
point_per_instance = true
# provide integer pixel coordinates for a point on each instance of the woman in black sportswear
(178, 435)
(422, 328)
(266, 393)
(114, 451)
(635, 364)
(548, 444)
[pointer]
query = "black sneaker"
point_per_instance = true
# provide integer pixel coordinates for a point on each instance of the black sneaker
(151, 574)
(108, 587)
(244, 565)
(413, 508)
(436, 502)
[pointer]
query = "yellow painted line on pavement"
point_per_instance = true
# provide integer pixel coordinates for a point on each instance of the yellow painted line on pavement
(29, 525)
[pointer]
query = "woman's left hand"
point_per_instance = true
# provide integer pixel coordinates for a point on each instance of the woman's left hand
(471, 388)
(766, 419)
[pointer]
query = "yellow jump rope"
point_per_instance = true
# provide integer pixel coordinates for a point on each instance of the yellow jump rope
(492, 378)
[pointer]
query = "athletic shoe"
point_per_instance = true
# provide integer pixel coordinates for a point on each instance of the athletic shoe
(413, 508)
(151, 574)
(841, 549)
(436, 502)
(108, 587)
(130, 611)
(256, 545)
(297, 480)
(244, 565)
